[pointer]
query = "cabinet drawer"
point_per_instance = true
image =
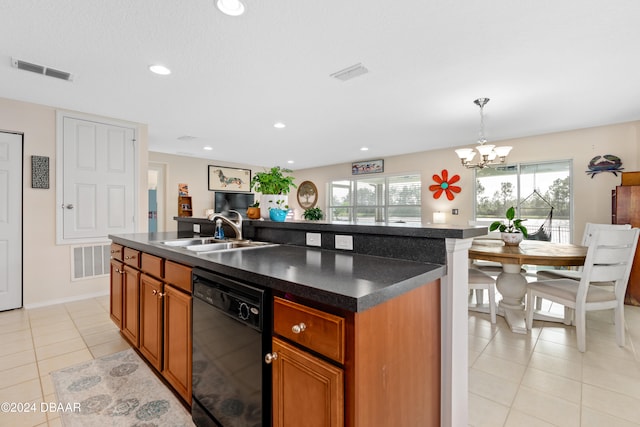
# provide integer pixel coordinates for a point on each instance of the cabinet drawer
(319, 331)
(132, 257)
(116, 251)
(152, 265)
(178, 275)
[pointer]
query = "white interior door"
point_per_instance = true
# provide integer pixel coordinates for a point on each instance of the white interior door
(10, 221)
(98, 180)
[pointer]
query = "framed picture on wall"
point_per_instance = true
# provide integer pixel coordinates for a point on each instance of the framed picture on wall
(367, 166)
(229, 179)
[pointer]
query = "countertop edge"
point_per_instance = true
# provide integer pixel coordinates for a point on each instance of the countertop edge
(354, 304)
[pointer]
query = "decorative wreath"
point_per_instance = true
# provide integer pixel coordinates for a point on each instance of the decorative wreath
(444, 185)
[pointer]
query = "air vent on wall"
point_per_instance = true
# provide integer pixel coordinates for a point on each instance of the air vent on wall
(350, 72)
(41, 69)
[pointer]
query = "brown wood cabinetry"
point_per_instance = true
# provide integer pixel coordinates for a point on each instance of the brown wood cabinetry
(307, 391)
(151, 320)
(177, 341)
(151, 304)
(115, 294)
(131, 304)
(391, 369)
(626, 210)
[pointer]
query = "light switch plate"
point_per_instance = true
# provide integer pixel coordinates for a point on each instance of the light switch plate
(344, 242)
(314, 239)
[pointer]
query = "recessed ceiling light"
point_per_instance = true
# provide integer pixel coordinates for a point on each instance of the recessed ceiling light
(208, 148)
(279, 125)
(230, 7)
(364, 149)
(159, 69)
(290, 162)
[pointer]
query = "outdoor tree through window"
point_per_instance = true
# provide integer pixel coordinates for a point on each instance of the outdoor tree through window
(534, 189)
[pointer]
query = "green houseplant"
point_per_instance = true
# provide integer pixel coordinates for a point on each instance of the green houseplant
(313, 214)
(274, 181)
(513, 231)
(274, 184)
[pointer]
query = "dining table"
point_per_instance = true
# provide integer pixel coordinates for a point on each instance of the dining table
(511, 282)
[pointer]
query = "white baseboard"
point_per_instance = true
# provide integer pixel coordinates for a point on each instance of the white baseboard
(65, 300)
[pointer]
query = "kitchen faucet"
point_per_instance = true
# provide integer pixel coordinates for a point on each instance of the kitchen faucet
(235, 225)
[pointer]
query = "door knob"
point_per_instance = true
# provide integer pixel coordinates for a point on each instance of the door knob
(270, 357)
(296, 329)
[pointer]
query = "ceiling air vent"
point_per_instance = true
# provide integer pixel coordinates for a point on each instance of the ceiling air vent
(41, 69)
(350, 72)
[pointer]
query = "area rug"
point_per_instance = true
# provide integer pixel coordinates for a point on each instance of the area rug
(116, 390)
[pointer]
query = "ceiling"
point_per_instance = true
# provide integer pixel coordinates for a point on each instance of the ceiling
(547, 66)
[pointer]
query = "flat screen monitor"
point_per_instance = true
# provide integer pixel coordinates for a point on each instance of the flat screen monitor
(236, 201)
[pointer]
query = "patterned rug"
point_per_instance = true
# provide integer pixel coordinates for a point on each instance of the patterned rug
(116, 390)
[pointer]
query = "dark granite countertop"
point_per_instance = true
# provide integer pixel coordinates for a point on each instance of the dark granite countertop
(433, 231)
(337, 278)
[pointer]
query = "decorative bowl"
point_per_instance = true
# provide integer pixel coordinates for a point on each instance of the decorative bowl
(277, 214)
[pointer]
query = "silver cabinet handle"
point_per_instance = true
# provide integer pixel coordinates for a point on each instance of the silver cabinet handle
(270, 357)
(296, 329)
(69, 206)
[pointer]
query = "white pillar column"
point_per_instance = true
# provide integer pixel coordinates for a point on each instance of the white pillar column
(455, 335)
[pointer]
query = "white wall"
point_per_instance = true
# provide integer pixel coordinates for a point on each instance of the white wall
(47, 266)
(592, 196)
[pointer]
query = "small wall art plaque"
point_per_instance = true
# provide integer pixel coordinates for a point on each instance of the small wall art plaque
(39, 172)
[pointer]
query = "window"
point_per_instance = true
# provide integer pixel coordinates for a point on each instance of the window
(533, 188)
(376, 199)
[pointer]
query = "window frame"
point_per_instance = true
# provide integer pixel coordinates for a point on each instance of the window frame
(519, 166)
(384, 208)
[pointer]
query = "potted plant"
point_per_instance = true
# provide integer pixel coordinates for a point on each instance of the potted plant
(513, 231)
(279, 212)
(313, 214)
(253, 211)
(274, 185)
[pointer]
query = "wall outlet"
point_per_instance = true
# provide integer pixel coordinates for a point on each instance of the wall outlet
(196, 228)
(314, 239)
(344, 242)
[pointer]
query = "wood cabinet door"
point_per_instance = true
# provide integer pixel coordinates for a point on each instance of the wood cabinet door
(307, 391)
(151, 320)
(627, 211)
(130, 304)
(177, 341)
(115, 298)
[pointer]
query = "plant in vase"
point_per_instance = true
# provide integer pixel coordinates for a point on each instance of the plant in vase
(253, 211)
(279, 213)
(313, 214)
(513, 231)
(274, 185)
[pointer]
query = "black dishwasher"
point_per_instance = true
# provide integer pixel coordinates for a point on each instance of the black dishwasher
(231, 384)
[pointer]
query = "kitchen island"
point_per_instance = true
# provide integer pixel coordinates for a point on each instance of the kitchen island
(397, 366)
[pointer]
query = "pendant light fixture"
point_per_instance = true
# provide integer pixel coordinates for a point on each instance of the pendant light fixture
(489, 154)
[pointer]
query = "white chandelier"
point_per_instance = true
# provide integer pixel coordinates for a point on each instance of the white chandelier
(489, 154)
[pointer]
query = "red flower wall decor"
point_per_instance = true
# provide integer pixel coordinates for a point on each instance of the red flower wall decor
(444, 185)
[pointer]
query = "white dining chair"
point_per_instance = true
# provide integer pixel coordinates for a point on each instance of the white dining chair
(480, 281)
(589, 229)
(609, 259)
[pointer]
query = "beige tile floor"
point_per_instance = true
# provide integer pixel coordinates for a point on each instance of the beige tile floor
(539, 379)
(35, 342)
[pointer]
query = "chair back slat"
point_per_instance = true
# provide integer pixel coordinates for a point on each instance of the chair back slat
(608, 273)
(591, 228)
(609, 259)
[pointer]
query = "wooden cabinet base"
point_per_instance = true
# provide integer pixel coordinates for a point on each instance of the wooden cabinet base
(307, 391)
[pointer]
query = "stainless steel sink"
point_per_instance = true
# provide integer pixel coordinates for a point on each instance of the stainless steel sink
(190, 241)
(209, 244)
